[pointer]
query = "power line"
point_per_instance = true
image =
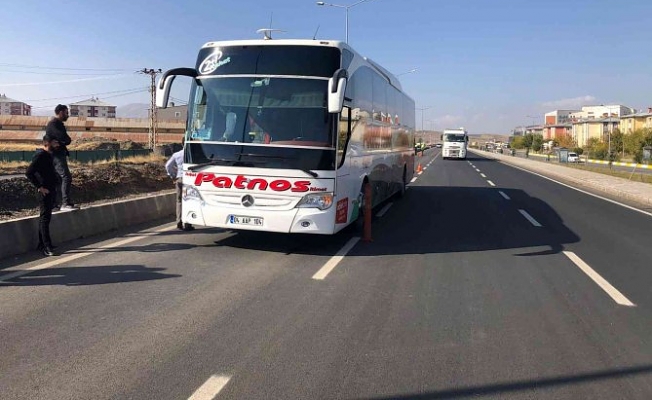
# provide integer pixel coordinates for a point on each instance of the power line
(105, 97)
(55, 73)
(90, 94)
(66, 81)
(66, 68)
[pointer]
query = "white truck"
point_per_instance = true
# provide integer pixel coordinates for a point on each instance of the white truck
(455, 142)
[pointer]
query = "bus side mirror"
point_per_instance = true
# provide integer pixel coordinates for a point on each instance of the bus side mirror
(165, 84)
(163, 91)
(336, 90)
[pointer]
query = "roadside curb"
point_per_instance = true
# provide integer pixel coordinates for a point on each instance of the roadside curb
(21, 235)
(614, 186)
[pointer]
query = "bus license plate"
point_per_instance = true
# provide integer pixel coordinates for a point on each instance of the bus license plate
(241, 220)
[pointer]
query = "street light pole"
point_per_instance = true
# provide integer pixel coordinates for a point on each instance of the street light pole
(422, 110)
(346, 9)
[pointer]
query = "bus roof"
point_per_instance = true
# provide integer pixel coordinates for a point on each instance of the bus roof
(391, 78)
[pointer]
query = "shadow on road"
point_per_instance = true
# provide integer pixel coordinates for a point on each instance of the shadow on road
(437, 219)
(96, 275)
(148, 248)
(525, 385)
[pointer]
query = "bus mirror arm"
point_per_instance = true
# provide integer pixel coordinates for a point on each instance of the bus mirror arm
(165, 84)
(336, 90)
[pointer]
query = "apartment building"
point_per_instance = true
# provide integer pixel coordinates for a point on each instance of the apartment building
(640, 120)
(558, 124)
(600, 128)
(92, 108)
(9, 106)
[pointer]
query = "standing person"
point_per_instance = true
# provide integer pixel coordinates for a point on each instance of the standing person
(42, 174)
(55, 129)
(174, 168)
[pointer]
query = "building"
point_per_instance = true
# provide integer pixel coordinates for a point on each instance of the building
(589, 128)
(601, 111)
(172, 113)
(558, 124)
(92, 108)
(632, 122)
(10, 106)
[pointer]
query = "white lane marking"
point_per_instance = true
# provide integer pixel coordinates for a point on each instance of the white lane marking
(425, 168)
(413, 180)
(420, 173)
(530, 218)
(491, 183)
(599, 280)
(336, 259)
(483, 175)
(477, 170)
(505, 196)
(384, 210)
(64, 259)
(211, 388)
(649, 214)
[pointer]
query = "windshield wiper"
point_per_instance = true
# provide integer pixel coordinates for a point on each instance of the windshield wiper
(214, 161)
(310, 172)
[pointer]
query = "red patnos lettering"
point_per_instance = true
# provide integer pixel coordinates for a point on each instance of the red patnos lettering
(203, 177)
(222, 182)
(262, 184)
(301, 186)
(240, 182)
(280, 185)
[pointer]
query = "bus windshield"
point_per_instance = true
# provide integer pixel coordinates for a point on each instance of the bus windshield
(261, 110)
(453, 137)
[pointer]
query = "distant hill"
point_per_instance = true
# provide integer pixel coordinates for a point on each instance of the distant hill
(133, 110)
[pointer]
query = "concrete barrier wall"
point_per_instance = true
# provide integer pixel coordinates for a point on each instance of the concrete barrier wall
(21, 235)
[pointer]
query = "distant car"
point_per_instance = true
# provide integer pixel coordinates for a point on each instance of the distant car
(573, 157)
(438, 145)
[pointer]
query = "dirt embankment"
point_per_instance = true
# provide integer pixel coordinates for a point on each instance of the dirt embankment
(91, 183)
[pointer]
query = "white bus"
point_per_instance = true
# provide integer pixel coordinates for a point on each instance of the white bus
(282, 135)
(455, 143)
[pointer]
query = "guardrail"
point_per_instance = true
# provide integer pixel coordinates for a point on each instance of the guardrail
(84, 156)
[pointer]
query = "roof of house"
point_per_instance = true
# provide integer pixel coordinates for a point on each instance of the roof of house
(640, 114)
(94, 102)
(5, 99)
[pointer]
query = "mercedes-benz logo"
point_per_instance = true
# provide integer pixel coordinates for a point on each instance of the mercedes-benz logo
(247, 200)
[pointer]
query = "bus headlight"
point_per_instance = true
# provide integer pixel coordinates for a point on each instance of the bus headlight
(190, 193)
(323, 201)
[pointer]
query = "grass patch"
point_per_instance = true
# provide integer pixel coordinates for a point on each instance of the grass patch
(635, 177)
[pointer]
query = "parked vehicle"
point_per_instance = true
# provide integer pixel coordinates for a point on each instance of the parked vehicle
(573, 157)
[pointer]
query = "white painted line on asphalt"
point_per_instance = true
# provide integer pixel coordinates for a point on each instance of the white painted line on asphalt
(425, 168)
(211, 388)
(64, 259)
(413, 180)
(529, 218)
(649, 214)
(420, 173)
(384, 210)
(491, 183)
(599, 280)
(483, 175)
(336, 259)
(505, 196)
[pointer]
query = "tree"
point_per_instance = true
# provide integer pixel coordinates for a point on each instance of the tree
(527, 140)
(517, 143)
(597, 149)
(617, 141)
(537, 142)
(566, 141)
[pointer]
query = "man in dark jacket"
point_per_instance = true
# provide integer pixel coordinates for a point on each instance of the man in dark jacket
(42, 174)
(56, 130)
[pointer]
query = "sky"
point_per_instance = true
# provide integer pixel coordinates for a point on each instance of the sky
(487, 65)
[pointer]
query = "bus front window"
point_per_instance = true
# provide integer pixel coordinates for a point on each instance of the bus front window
(278, 111)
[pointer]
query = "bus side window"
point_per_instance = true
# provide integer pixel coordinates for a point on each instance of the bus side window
(343, 135)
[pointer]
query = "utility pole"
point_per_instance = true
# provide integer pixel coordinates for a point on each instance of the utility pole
(153, 121)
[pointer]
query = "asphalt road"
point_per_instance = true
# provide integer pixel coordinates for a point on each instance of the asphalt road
(460, 295)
